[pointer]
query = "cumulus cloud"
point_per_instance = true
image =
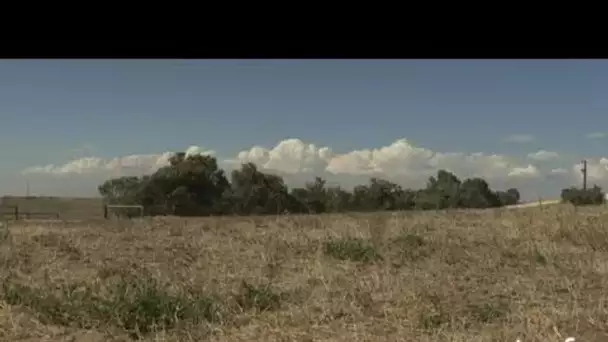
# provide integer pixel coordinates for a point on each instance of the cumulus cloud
(528, 171)
(520, 138)
(559, 171)
(289, 156)
(126, 165)
(597, 170)
(542, 155)
(595, 135)
(401, 159)
(296, 160)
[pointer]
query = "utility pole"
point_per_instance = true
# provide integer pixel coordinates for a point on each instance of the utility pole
(584, 171)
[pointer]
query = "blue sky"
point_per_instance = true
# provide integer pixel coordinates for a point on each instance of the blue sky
(56, 111)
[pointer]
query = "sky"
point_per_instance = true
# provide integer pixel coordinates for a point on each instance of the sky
(67, 125)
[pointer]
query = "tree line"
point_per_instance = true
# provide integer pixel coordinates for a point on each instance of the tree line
(577, 196)
(194, 185)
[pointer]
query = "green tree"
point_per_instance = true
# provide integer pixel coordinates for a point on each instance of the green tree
(475, 193)
(312, 198)
(360, 200)
(195, 185)
(189, 185)
(255, 192)
(509, 197)
(123, 190)
(576, 196)
(383, 194)
(444, 190)
(192, 185)
(337, 199)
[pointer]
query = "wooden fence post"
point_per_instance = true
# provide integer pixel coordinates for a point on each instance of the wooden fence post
(16, 213)
(105, 211)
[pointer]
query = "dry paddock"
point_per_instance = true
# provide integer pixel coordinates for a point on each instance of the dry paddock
(538, 274)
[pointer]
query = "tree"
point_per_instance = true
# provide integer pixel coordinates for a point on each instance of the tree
(592, 196)
(312, 198)
(475, 193)
(360, 200)
(194, 185)
(406, 199)
(188, 186)
(123, 190)
(383, 195)
(255, 192)
(509, 197)
(444, 190)
(337, 199)
(514, 194)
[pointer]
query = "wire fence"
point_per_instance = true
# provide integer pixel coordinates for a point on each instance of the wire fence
(18, 212)
(14, 213)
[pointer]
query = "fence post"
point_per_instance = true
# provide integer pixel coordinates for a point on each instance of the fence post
(16, 213)
(105, 211)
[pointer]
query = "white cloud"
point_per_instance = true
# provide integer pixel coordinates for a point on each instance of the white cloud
(400, 160)
(298, 161)
(597, 170)
(520, 138)
(289, 156)
(595, 135)
(528, 171)
(294, 159)
(559, 171)
(542, 155)
(126, 165)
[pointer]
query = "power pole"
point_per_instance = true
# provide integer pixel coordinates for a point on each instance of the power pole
(584, 171)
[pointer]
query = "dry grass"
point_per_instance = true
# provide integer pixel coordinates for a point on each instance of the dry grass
(460, 276)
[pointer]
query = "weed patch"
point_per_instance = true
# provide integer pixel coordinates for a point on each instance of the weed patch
(539, 257)
(136, 305)
(259, 298)
(352, 249)
(488, 312)
(410, 247)
(433, 316)
(5, 233)
(60, 243)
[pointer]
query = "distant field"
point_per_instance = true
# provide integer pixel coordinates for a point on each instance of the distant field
(68, 208)
(461, 276)
(535, 203)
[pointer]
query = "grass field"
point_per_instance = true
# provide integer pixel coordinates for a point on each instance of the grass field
(494, 275)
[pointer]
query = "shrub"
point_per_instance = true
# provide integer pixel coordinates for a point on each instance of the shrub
(352, 249)
(592, 196)
(139, 305)
(258, 298)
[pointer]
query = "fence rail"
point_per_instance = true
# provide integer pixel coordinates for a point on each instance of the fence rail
(107, 208)
(16, 212)
(13, 212)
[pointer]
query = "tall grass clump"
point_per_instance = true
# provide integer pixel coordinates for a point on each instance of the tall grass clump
(138, 305)
(353, 249)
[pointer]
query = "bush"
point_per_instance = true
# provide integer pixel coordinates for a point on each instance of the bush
(138, 305)
(352, 249)
(259, 298)
(592, 196)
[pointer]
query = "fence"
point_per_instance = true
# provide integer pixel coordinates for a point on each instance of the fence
(107, 208)
(16, 212)
(13, 212)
